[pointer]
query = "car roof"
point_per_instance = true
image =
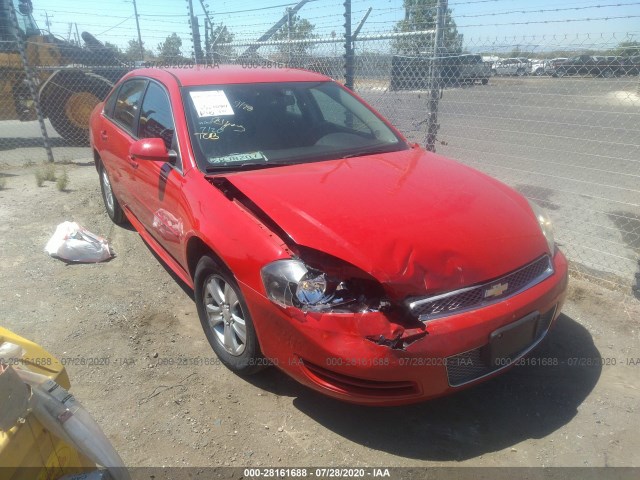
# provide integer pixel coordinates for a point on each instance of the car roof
(207, 75)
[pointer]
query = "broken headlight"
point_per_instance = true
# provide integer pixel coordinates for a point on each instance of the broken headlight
(545, 225)
(291, 283)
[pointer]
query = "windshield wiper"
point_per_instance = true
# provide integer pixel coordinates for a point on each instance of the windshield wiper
(364, 153)
(242, 166)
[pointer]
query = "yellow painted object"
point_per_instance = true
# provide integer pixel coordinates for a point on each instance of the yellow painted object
(27, 445)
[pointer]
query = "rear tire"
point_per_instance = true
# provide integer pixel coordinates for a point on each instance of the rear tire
(225, 318)
(485, 81)
(607, 73)
(520, 72)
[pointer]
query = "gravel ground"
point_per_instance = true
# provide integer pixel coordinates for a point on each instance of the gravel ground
(163, 400)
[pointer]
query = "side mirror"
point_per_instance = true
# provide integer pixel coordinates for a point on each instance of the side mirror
(151, 149)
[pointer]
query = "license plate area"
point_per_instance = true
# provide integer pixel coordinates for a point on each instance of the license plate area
(508, 342)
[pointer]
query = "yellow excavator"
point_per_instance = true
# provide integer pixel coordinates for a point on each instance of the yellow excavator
(70, 80)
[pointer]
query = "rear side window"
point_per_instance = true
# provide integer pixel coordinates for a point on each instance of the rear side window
(110, 103)
(156, 120)
(128, 104)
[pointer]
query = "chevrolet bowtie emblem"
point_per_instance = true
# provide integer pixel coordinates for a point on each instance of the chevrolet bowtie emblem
(496, 290)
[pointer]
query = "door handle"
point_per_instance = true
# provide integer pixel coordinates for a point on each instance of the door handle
(104, 136)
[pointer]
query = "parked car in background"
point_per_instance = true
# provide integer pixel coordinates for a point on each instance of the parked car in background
(318, 240)
(590, 65)
(551, 65)
(630, 65)
(465, 68)
(538, 67)
(513, 66)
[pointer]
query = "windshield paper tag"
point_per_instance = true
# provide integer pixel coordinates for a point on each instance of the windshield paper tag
(211, 103)
(238, 157)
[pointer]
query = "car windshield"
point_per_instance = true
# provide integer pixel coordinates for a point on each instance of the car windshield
(269, 124)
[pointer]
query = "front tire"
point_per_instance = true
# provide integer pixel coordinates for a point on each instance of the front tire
(111, 204)
(225, 318)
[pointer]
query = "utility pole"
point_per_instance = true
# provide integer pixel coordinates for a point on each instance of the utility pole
(208, 32)
(47, 21)
(434, 77)
(207, 43)
(289, 28)
(135, 11)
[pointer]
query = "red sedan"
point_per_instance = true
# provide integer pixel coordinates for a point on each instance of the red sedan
(317, 239)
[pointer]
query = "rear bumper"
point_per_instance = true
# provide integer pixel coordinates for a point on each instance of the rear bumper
(335, 354)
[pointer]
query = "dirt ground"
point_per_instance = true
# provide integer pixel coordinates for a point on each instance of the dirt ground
(162, 404)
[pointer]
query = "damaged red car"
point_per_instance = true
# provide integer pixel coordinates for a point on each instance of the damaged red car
(318, 240)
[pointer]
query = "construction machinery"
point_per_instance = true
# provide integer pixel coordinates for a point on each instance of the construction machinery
(67, 79)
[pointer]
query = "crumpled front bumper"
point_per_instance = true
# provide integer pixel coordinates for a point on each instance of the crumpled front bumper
(341, 355)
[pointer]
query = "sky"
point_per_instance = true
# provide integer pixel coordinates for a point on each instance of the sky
(500, 24)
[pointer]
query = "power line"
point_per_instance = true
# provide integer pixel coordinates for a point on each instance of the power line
(553, 10)
(115, 26)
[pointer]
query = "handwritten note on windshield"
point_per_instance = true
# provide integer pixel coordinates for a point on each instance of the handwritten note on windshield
(211, 103)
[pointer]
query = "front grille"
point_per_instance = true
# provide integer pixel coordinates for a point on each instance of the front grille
(483, 294)
(474, 364)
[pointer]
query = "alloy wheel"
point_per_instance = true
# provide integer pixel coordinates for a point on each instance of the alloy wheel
(225, 315)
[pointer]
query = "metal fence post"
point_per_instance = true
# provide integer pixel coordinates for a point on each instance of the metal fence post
(434, 77)
(348, 47)
(22, 47)
(195, 34)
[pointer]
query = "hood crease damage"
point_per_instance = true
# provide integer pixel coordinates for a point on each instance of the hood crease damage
(402, 331)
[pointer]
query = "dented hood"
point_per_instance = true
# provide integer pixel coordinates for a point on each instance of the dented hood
(416, 221)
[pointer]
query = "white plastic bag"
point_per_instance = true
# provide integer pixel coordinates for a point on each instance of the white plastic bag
(75, 243)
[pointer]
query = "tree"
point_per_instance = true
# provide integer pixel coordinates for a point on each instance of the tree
(170, 49)
(132, 52)
(296, 29)
(221, 53)
(420, 15)
(111, 50)
(113, 47)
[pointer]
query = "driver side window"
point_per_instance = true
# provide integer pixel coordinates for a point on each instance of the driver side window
(156, 120)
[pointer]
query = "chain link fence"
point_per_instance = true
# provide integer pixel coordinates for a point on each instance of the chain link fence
(564, 131)
(556, 117)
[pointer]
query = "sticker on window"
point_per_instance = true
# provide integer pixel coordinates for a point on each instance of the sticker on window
(239, 157)
(211, 103)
